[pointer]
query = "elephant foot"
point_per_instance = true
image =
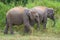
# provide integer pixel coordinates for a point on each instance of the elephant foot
(45, 30)
(25, 31)
(12, 33)
(5, 32)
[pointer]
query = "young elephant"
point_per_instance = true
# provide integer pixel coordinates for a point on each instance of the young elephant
(44, 13)
(18, 16)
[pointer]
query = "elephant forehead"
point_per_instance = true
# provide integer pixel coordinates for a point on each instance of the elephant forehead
(33, 11)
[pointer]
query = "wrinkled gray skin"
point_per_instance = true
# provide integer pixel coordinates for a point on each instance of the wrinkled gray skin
(18, 16)
(44, 13)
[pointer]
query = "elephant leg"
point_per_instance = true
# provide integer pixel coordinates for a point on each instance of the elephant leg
(32, 23)
(11, 29)
(44, 22)
(6, 29)
(38, 26)
(26, 23)
(27, 29)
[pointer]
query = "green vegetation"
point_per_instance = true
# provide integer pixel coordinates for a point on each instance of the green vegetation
(4, 7)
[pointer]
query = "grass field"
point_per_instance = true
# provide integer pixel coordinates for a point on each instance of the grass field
(34, 36)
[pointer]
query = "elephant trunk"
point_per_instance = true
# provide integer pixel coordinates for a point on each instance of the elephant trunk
(53, 21)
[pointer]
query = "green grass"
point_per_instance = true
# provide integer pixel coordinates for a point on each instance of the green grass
(35, 36)
(51, 33)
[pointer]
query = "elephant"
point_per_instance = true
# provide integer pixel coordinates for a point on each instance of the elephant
(20, 15)
(44, 13)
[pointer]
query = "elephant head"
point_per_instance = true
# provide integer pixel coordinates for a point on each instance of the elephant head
(51, 14)
(34, 17)
(33, 14)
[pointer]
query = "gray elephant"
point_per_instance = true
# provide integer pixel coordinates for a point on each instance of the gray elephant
(44, 13)
(18, 16)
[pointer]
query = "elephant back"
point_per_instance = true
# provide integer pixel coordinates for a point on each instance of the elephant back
(16, 9)
(41, 8)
